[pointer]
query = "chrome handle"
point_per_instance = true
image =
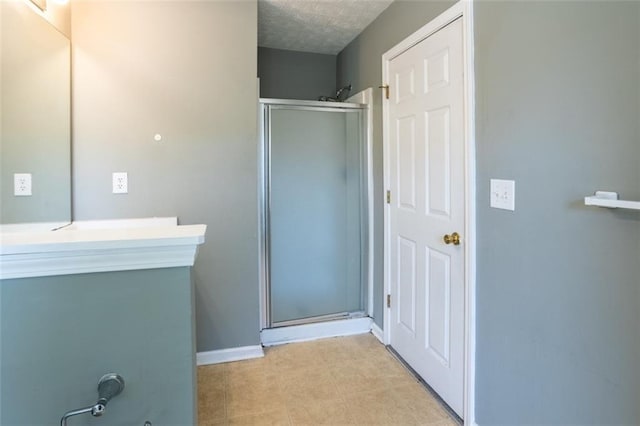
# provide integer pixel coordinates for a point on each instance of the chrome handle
(109, 386)
(63, 420)
(452, 239)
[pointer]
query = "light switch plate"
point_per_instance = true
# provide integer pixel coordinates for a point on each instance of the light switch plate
(120, 183)
(503, 194)
(22, 184)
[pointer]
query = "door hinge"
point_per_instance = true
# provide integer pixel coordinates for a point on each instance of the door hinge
(388, 197)
(386, 90)
(388, 300)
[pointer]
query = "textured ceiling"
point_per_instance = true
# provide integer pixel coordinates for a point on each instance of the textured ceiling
(318, 26)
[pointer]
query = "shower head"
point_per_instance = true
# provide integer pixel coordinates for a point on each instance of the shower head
(343, 93)
(110, 385)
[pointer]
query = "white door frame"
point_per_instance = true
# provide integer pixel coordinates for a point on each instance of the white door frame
(464, 10)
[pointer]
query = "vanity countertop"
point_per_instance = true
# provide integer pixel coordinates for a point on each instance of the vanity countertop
(100, 246)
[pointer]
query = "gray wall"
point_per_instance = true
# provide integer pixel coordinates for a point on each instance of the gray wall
(59, 335)
(360, 64)
(558, 94)
(185, 70)
(285, 74)
(558, 107)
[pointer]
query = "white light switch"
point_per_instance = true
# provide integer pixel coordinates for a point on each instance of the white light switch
(120, 183)
(503, 194)
(22, 184)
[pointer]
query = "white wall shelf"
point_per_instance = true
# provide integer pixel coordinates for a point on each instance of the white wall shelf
(610, 200)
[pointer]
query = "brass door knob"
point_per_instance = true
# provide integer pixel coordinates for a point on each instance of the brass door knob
(453, 238)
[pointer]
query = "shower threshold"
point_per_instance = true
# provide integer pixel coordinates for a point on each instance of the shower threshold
(323, 327)
(319, 318)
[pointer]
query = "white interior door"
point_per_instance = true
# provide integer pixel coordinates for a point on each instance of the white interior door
(426, 155)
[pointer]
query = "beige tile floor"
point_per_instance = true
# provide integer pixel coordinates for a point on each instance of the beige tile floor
(339, 381)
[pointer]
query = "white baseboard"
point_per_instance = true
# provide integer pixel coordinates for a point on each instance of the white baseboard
(228, 355)
(320, 330)
(377, 332)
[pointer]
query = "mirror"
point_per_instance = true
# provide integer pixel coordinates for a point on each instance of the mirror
(35, 111)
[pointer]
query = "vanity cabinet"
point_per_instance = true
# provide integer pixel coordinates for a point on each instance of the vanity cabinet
(62, 329)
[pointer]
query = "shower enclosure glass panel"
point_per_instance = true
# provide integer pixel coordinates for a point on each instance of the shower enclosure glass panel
(315, 211)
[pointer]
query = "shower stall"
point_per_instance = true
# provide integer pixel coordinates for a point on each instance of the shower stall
(315, 211)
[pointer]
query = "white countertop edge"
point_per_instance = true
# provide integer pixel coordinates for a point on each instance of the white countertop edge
(63, 252)
(145, 222)
(28, 266)
(30, 227)
(89, 239)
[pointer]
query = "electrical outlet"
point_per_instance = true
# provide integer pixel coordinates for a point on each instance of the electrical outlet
(22, 184)
(120, 183)
(503, 194)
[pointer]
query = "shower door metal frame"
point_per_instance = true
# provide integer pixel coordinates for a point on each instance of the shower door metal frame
(264, 205)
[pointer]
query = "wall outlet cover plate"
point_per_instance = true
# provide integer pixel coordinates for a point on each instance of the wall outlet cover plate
(22, 184)
(503, 194)
(120, 183)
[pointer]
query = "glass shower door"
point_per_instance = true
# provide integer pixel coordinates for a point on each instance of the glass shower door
(314, 213)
